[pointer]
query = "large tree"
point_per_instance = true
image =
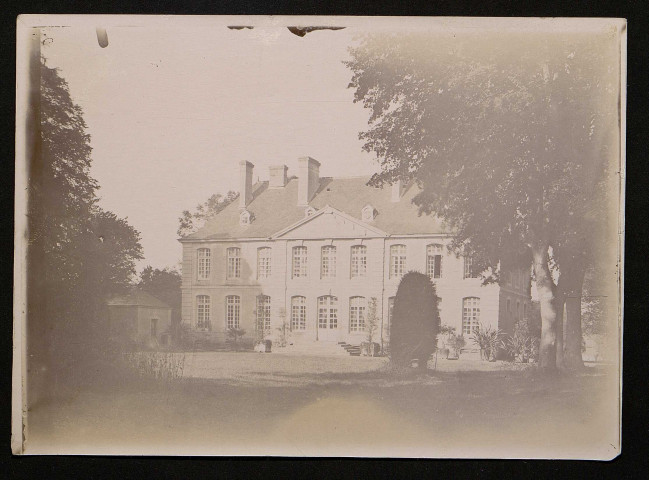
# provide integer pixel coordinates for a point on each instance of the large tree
(506, 135)
(77, 252)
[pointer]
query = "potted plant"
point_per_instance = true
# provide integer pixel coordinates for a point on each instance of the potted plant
(455, 343)
(234, 334)
(489, 340)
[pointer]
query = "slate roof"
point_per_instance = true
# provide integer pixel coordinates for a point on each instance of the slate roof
(137, 298)
(275, 209)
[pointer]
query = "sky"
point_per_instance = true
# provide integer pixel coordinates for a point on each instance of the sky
(172, 112)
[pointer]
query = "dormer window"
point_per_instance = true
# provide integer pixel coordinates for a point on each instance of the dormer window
(368, 213)
(308, 211)
(245, 217)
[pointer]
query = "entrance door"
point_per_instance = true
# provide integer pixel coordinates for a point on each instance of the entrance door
(328, 318)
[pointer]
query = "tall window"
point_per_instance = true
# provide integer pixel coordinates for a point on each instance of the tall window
(234, 262)
(204, 263)
(232, 311)
(203, 321)
(327, 312)
(357, 307)
(263, 262)
(469, 271)
(359, 261)
(434, 260)
(470, 315)
(518, 311)
(263, 312)
(390, 313)
(299, 262)
(328, 262)
(298, 313)
(397, 261)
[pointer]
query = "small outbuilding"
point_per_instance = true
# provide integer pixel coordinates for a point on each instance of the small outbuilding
(139, 317)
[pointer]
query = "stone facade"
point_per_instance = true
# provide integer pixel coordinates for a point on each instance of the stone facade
(321, 300)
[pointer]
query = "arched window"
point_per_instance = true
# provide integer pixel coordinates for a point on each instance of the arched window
(203, 321)
(245, 217)
(358, 261)
(357, 306)
(470, 315)
(232, 311)
(328, 262)
(397, 261)
(327, 312)
(263, 313)
(298, 313)
(434, 254)
(263, 262)
(234, 262)
(299, 262)
(204, 263)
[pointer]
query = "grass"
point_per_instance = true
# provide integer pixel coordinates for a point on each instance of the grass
(251, 403)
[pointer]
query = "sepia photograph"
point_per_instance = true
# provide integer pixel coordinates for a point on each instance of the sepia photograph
(319, 236)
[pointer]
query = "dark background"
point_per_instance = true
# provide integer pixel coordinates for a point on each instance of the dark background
(634, 460)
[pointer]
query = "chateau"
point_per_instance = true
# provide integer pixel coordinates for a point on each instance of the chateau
(311, 252)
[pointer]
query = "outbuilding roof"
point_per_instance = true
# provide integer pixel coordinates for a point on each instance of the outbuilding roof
(138, 298)
(275, 209)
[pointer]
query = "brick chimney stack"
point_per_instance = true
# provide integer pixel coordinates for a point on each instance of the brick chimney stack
(308, 179)
(277, 176)
(245, 183)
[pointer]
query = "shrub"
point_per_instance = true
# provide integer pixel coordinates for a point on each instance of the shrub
(415, 321)
(523, 344)
(489, 340)
(234, 334)
(456, 342)
(163, 366)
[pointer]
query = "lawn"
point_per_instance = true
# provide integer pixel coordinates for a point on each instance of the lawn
(265, 404)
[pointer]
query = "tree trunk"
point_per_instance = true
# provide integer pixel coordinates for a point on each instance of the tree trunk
(546, 290)
(569, 289)
(559, 303)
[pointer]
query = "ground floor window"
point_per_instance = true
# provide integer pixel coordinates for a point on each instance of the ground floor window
(327, 312)
(232, 311)
(263, 312)
(298, 313)
(470, 315)
(357, 307)
(203, 321)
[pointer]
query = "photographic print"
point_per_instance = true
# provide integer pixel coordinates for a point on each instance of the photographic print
(319, 236)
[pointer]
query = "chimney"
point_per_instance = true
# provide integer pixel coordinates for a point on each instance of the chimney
(245, 183)
(397, 190)
(277, 176)
(308, 179)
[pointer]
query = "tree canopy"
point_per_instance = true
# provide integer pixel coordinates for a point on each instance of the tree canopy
(508, 136)
(190, 222)
(78, 253)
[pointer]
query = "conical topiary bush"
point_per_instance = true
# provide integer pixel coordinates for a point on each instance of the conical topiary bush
(415, 321)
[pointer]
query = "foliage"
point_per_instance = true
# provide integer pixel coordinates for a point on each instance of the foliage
(190, 222)
(235, 334)
(165, 366)
(522, 345)
(78, 253)
(371, 320)
(283, 329)
(456, 342)
(415, 321)
(507, 138)
(489, 340)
